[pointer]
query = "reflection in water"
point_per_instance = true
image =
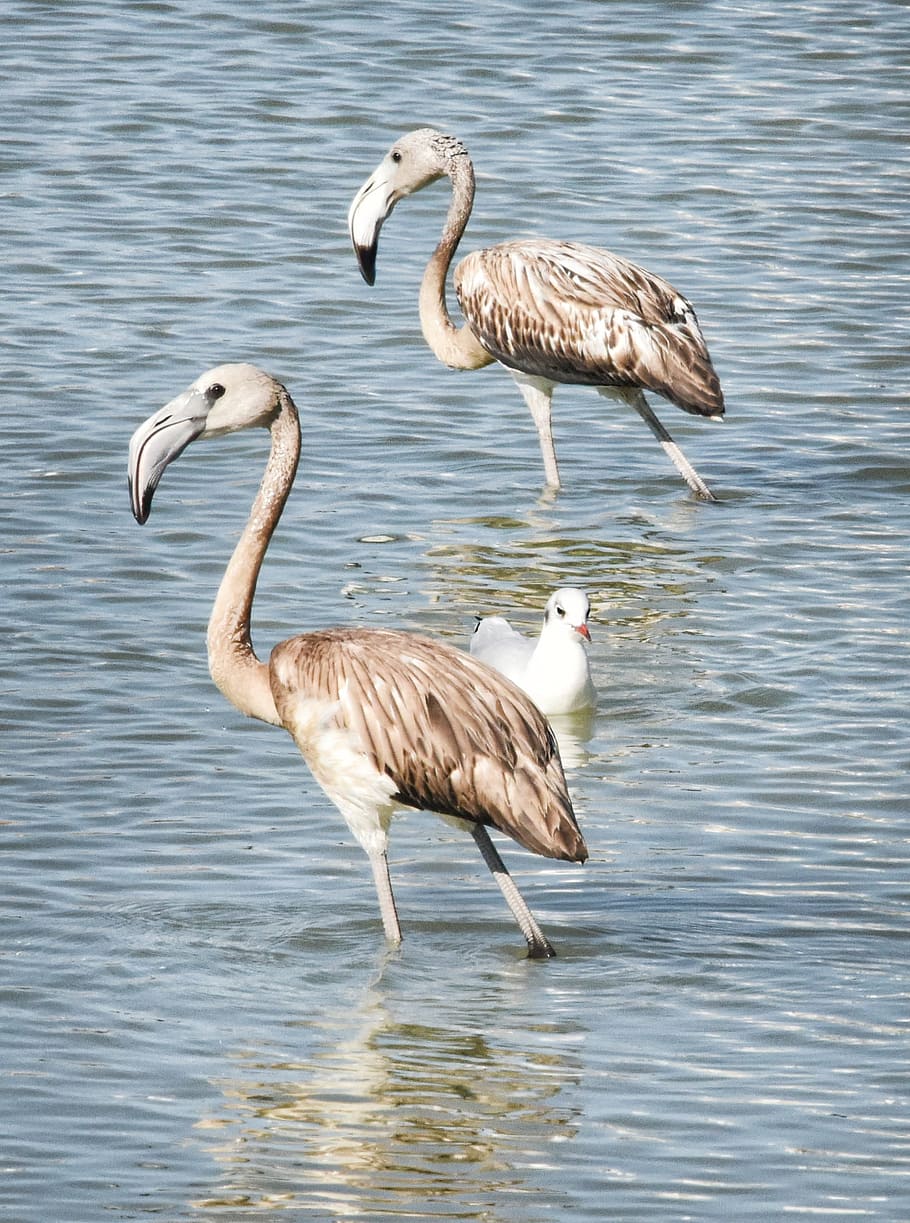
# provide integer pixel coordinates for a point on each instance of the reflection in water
(477, 566)
(573, 731)
(489, 562)
(387, 1115)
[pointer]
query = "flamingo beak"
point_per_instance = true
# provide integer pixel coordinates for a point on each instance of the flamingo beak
(369, 208)
(157, 442)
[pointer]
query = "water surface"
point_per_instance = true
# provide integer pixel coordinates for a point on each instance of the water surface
(199, 1017)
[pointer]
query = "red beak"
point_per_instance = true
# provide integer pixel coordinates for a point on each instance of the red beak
(583, 629)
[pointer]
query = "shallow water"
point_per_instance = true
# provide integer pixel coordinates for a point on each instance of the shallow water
(199, 1016)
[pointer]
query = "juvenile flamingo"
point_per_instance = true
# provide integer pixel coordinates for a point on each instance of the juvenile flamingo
(551, 312)
(385, 720)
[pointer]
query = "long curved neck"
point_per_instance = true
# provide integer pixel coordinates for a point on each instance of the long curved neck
(233, 664)
(457, 347)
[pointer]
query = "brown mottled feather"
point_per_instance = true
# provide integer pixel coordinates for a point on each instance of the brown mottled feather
(454, 736)
(578, 314)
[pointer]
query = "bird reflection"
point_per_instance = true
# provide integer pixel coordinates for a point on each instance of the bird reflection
(573, 732)
(388, 1113)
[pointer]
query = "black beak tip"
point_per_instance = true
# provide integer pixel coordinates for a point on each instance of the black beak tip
(366, 259)
(141, 509)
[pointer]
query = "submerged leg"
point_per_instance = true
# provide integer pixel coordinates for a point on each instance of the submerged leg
(538, 396)
(381, 877)
(637, 400)
(539, 947)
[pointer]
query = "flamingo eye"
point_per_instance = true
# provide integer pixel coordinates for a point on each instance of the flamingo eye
(396, 156)
(215, 391)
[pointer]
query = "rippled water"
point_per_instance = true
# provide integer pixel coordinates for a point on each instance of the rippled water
(199, 1018)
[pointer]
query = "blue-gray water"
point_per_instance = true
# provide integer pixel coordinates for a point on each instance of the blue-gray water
(198, 1018)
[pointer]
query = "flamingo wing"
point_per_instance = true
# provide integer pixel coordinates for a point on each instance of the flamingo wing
(567, 312)
(452, 736)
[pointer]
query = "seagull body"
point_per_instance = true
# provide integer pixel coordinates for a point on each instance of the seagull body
(553, 669)
(551, 312)
(385, 720)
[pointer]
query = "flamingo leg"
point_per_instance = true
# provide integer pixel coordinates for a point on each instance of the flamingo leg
(538, 395)
(636, 399)
(539, 947)
(380, 864)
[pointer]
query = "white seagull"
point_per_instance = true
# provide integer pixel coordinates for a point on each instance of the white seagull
(554, 670)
